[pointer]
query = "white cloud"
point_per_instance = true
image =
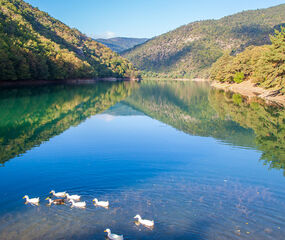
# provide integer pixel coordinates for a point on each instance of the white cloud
(106, 117)
(107, 34)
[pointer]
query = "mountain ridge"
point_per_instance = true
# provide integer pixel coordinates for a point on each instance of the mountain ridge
(190, 50)
(120, 44)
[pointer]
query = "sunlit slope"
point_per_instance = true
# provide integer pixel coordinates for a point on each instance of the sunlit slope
(34, 45)
(190, 50)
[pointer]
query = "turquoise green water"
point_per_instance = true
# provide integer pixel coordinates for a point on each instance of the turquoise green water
(203, 164)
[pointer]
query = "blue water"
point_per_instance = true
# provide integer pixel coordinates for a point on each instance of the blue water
(193, 187)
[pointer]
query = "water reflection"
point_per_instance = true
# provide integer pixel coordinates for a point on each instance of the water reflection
(196, 109)
(32, 115)
(180, 153)
(267, 122)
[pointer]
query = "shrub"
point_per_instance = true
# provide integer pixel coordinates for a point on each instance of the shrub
(239, 77)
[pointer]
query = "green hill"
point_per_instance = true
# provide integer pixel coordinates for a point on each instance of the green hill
(33, 45)
(190, 50)
(120, 44)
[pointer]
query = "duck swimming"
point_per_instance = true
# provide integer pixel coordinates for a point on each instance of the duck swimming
(146, 223)
(73, 197)
(55, 201)
(104, 204)
(77, 204)
(113, 236)
(58, 194)
(34, 201)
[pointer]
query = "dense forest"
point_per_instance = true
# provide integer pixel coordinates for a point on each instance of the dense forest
(189, 51)
(120, 44)
(33, 45)
(264, 65)
(32, 115)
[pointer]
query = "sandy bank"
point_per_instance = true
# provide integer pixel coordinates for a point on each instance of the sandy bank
(247, 88)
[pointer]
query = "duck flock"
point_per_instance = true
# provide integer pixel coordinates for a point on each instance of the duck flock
(63, 197)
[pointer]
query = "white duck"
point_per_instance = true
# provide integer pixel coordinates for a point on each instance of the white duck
(73, 197)
(104, 204)
(113, 236)
(58, 194)
(34, 201)
(146, 223)
(77, 204)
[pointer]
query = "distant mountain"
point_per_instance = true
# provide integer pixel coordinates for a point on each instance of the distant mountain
(33, 45)
(190, 50)
(120, 44)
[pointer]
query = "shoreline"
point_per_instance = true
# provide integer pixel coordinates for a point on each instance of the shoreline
(248, 89)
(177, 79)
(66, 81)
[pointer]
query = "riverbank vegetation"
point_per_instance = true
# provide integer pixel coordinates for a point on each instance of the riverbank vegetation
(264, 65)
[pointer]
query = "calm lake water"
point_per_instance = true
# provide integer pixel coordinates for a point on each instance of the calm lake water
(202, 163)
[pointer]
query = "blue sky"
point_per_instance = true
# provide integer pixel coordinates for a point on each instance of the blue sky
(141, 18)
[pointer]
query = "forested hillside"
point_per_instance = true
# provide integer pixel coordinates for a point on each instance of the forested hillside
(120, 44)
(33, 45)
(264, 65)
(189, 51)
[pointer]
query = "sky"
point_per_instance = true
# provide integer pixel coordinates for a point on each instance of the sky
(140, 18)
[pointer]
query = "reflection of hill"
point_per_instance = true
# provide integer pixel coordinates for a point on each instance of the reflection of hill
(30, 116)
(267, 122)
(185, 106)
(121, 109)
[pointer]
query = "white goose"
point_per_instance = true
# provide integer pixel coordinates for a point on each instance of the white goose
(77, 204)
(113, 236)
(104, 204)
(34, 201)
(58, 194)
(73, 197)
(146, 223)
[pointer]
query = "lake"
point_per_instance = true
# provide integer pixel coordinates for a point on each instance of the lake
(200, 162)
